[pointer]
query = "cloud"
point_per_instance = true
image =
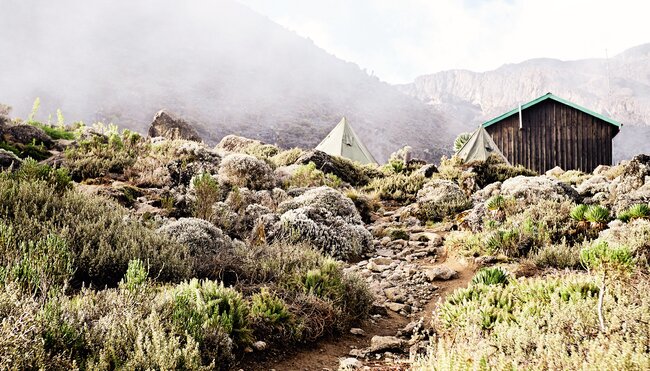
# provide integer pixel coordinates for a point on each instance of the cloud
(401, 40)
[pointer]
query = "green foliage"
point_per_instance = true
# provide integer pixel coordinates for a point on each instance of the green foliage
(495, 170)
(578, 213)
(491, 276)
(309, 176)
(207, 193)
(397, 187)
(200, 305)
(398, 234)
(601, 256)
(638, 211)
(460, 141)
(135, 277)
(103, 154)
(100, 236)
(32, 171)
(36, 266)
(542, 323)
(35, 107)
(597, 214)
(559, 256)
(496, 203)
(54, 132)
(269, 308)
(288, 157)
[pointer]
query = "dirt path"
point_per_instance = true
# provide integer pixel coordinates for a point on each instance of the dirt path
(325, 355)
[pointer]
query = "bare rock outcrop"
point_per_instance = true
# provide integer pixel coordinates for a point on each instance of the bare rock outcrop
(166, 125)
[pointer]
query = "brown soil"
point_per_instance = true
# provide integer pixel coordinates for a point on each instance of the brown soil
(325, 354)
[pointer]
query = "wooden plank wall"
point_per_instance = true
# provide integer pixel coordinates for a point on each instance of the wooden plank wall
(555, 134)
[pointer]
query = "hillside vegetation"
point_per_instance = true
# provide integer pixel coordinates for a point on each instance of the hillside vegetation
(124, 252)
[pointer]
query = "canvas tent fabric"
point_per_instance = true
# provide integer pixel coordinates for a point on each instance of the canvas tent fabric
(343, 141)
(479, 147)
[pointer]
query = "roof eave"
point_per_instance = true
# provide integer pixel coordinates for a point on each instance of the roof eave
(557, 99)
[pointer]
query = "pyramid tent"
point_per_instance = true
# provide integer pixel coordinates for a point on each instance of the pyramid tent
(479, 147)
(343, 141)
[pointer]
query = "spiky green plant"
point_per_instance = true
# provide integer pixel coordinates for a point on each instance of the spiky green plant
(598, 216)
(269, 308)
(638, 211)
(460, 141)
(578, 213)
(491, 276)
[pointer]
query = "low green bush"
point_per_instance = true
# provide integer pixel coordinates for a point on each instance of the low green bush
(397, 187)
(99, 234)
(491, 276)
(638, 211)
(600, 255)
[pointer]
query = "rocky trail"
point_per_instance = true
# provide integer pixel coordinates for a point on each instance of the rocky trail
(409, 272)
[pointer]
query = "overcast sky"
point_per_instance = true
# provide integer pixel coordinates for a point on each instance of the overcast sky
(399, 40)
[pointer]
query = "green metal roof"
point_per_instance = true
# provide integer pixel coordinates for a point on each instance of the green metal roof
(557, 99)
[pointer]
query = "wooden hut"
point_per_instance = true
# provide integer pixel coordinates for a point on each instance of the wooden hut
(550, 131)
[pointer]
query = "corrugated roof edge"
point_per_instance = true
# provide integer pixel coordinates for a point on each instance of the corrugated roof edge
(557, 99)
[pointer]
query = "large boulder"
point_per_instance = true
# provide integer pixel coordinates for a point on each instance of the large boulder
(170, 127)
(343, 168)
(207, 244)
(26, 134)
(441, 198)
(633, 185)
(8, 160)
(326, 219)
(531, 190)
(593, 185)
(247, 171)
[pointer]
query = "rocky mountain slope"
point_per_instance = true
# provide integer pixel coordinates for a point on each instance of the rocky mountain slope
(618, 87)
(223, 66)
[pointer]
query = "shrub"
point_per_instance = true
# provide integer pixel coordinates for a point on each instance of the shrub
(397, 187)
(135, 276)
(542, 323)
(491, 276)
(269, 308)
(207, 246)
(104, 154)
(495, 170)
(638, 211)
(36, 266)
(247, 171)
(199, 306)
(309, 176)
(53, 132)
(288, 157)
(100, 236)
(439, 199)
(207, 194)
(398, 234)
(578, 213)
(557, 256)
(600, 255)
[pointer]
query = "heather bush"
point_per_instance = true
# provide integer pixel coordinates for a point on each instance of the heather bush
(601, 256)
(103, 154)
(247, 171)
(98, 232)
(309, 176)
(439, 199)
(542, 323)
(35, 266)
(288, 157)
(397, 187)
(207, 193)
(558, 255)
(207, 246)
